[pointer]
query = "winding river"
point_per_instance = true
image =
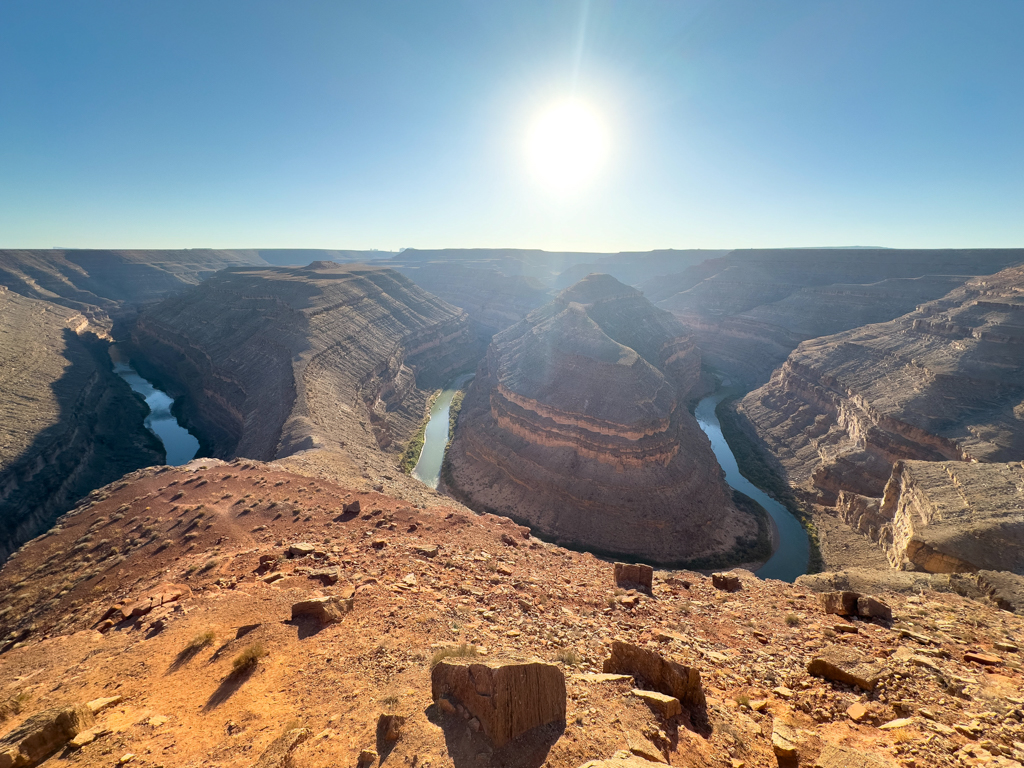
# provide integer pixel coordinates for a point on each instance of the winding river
(790, 559)
(435, 440)
(180, 445)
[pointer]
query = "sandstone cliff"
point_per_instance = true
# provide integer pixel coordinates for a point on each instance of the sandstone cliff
(946, 516)
(577, 424)
(747, 311)
(67, 423)
(278, 360)
(945, 382)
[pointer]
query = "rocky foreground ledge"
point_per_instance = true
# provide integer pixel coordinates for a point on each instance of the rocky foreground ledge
(239, 614)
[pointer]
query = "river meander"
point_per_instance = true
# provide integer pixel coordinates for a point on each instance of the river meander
(791, 558)
(180, 445)
(435, 439)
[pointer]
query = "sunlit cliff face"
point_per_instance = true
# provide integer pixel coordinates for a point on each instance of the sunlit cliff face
(567, 146)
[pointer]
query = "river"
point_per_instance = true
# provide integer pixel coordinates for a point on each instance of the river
(180, 445)
(791, 558)
(435, 440)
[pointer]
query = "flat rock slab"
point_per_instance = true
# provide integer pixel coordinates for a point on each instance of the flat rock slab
(982, 658)
(43, 734)
(666, 706)
(278, 754)
(508, 699)
(785, 742)
(632, 761)
(601, 677)
(661, 674)
(845, 665)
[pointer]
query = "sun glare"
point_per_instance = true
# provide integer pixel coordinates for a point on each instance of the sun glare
(567, 146)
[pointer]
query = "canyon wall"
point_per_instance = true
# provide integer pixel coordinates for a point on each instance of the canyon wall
(67, 423)
(91, 280)
(748, 310)
(576, 424)
(944, 382)
(279, 360)
(946, 516)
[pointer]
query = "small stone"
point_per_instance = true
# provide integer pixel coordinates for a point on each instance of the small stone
(301, 549)
(982, 658)
(156, 721)
(98, 705)
(759, 705)
(783, 692)
(892, 725)
(379, 543)
(847, 628)
(857, 712)
(126, 758)
(367, 756)
(446, 706)
(728, 582)
(666, 706)
(389, 727)
(427, 550)
(1005, 647)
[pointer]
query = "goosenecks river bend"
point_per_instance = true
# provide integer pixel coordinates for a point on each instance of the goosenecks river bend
(786, 563)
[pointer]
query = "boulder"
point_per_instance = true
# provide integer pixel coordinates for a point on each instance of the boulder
(508, 699)
(840, 603)
(389, 727)
(279, 753)
(634, 576)
(728, 582)
(326, 610)
(367, 757)
(845, 665)
(870, 608)
(657, 672)
(43, 734)
(352, 508)
(326, 576)
(666, 706)
(785, 742)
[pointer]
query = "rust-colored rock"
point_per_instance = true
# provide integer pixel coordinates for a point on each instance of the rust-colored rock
(840, 603)
(43, 734)
(727, 582)
(654, 670)
(873, 608)
(634, 576)
(846, 665)
(508, 699)
(325, 610)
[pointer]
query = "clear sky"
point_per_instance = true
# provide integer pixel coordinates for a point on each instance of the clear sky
(173, 123)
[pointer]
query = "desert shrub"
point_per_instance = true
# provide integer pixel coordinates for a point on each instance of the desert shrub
(569, 657)
(248, 658)
(792, 620)
(200, 641)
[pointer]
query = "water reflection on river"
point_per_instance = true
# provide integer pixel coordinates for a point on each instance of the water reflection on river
(435, 440)
(180, 445)
(790, 559)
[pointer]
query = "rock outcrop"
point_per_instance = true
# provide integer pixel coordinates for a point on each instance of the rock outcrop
(953, 517)
(279, 360)
(748, 310)
(43, 734)
(944, 382)
(508, 699)
(67, 423)
(576, 425)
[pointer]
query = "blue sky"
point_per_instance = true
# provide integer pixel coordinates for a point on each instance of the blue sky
(390, 124)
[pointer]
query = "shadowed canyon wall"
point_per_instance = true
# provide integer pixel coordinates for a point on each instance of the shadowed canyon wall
(68, 424)
(279, 360)
(577, 424)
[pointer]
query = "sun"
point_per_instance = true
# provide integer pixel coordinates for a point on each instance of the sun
(567, 146)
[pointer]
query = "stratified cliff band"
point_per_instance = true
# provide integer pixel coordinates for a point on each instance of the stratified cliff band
(577, 425)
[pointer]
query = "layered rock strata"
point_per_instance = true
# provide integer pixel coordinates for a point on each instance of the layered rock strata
(944, 382)
(747, 311)
(278, 360)
(67, 422)
(577, 424)
(947, 517)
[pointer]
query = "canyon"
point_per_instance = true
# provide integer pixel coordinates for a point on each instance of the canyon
(67, 422)
(577, 425)
(271, 362)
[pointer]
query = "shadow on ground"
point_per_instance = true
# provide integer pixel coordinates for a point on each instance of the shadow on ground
(471, 749)
(228, 686)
